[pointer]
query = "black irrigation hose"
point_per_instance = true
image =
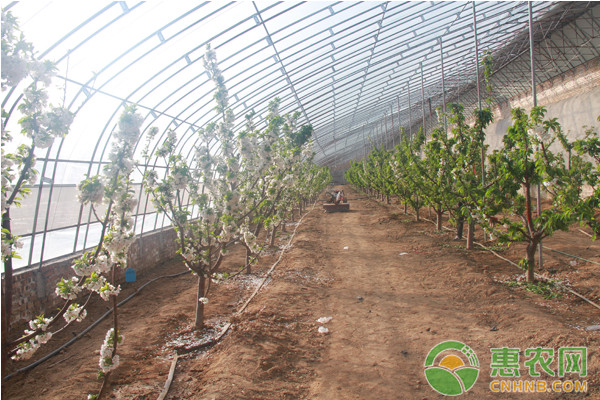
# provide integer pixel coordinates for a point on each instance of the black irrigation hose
(225, 329)
(516, 265)
(545, 247)
(571, 255)
(89, 328)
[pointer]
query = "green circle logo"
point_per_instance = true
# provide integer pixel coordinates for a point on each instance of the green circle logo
(451, 368)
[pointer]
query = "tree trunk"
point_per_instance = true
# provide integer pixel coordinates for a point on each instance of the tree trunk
(273, 233)
(531, 248)
(470, 235)
(4, 345)
(199, 322)
(6, 304)
(248, 266)
(460, 223)
(417, 213)
(8, 276)
(249, 254)
(405, 208)
(115, 305)
(439, 219)
(388, 199)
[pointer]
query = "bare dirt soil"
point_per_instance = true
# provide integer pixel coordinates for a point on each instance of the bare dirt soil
(394, 287)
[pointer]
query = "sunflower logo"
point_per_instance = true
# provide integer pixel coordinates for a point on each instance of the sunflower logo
(451, 368)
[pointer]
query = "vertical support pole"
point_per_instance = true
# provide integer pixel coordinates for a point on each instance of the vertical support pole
(479, 92)
(423, 97)
(399, 120)
(534, 95)
(476, 55)
(364, 142)
(409, 116)
(532, 59)
(387, 135)
(443, 86)
(335, 155)
(392, 114)
(479, 96)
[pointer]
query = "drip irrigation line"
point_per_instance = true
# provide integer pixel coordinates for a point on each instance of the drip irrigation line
(585, 233)
(537, 275)
(498, 255)
(559, 284)
(86, 330)
(545, 247)
(225, 329)
(268, 274)
(165, 390)
(571, 255)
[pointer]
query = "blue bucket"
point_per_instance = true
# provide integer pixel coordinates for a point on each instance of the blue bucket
(129, 275)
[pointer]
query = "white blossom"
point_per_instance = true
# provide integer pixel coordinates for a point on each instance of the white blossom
(6, 249)
(43, 338)
(39, 323)
(129, 127)
(109, 290)
(42, 140)
(26, 350)
(68, 289)
(95, 282)
(75, 313)
(107, 362)
(180, 180)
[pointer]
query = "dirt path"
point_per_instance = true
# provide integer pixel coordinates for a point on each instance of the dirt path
(395, 289)
(398, 293)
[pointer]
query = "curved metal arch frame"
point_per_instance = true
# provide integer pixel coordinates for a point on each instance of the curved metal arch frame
(384, 83)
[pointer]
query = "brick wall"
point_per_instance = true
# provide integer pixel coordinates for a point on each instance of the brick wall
(34, 289)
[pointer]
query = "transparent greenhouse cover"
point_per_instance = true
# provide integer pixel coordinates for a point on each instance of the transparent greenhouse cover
(356, 71)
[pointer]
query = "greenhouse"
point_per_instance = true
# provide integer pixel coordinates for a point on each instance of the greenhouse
(186, 156)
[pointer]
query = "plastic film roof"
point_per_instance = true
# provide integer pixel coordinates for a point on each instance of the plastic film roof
(356, 71)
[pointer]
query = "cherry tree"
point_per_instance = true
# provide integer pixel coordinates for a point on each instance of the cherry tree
(40, 124)
(210, 181)
(95, 271)
(507, 208)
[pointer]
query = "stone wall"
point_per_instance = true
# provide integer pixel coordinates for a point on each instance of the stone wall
(34, 288)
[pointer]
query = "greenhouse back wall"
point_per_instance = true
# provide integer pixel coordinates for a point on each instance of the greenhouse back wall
(139, 135)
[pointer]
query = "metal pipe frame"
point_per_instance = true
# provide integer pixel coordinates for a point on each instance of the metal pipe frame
(342, 64)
